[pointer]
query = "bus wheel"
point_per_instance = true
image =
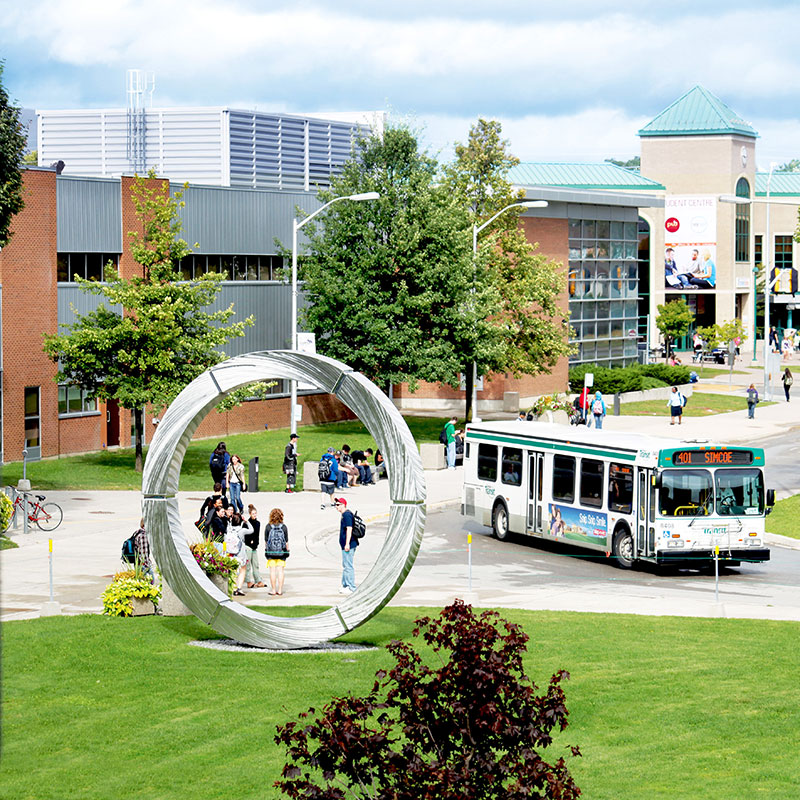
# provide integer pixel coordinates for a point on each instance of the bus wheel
(500, 522)
(623, 548)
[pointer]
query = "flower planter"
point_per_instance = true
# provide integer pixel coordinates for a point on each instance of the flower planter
(220, 581)
(142, 606)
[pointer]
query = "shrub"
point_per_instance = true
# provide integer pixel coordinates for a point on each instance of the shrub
(6, 511)
(130, 583)
(610, 380)
(473, 726)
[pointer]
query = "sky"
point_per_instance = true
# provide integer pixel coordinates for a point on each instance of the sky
(569, 81)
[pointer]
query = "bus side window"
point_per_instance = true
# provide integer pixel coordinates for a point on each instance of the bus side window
(487, 462)
(620, 488)
(564, 478)
(591, 483)
(512, 466)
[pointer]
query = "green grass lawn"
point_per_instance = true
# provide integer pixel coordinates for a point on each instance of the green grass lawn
(785, 517)
(700, 404)
(97, 707)
(114, 469)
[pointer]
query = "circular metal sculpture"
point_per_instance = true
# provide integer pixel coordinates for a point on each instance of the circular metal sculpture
(171, 549)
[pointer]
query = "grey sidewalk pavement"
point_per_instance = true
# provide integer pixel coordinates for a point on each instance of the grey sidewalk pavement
(86, 547)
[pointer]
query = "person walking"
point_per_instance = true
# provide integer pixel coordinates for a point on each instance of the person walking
(752, 399)
(235, 477)
(290, 463)
(235, 547)
(251, 539)
(276, 550)
(676, 401)
(450, 431)
(787, 381)
(598, 409)
(348, 543)
(218, 464)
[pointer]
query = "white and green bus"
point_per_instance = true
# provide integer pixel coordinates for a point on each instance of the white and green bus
(636, 498)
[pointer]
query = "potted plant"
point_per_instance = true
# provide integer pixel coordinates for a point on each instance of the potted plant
(215, 564)
(130, 594)
(547, 404)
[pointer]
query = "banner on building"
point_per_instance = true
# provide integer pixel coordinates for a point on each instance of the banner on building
(690, 243)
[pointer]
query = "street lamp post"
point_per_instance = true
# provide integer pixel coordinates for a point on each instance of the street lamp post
(476, 229)
(296, 226)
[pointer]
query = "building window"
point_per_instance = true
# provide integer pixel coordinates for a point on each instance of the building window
(32, 419)
(90, 266)
(742, 235)
(73, 401)
(233, 267)
(758, 252)
(783, 266)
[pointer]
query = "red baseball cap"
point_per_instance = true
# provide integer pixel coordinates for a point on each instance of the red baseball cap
(339, 501)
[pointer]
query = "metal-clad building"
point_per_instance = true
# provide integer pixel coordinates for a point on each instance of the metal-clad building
(215, 146)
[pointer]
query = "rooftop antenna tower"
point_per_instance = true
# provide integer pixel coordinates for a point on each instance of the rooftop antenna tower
(140, 88)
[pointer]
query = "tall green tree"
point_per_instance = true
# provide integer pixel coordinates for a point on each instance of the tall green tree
(163, 339)
(12, 148)
(673, 320)
(526, 330)
(388, 281)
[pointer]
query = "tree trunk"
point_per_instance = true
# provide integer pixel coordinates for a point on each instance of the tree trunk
(468, 410)
(138, 426)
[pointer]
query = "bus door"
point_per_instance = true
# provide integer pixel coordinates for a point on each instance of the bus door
(535, 490)
(645, 514)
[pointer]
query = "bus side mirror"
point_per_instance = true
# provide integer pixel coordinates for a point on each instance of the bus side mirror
(770, 497)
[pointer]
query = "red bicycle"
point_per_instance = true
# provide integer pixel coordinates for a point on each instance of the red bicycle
(47, 516)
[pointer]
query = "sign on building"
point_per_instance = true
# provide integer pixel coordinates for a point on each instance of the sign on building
(690, 243)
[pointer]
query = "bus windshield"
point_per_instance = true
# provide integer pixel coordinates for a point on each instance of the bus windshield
(685, 493)
(740, 491)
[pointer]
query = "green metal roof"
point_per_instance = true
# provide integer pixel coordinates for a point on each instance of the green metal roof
(579, 175)
(696, 113)
(784, 184)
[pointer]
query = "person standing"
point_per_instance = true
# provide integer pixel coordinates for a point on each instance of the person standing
(598, 409)
(327, 485)
(676, 402)
(773, 340)
(276, 550)
(348, 543)
(235, 477)
(752, 399)
(234, 544)
(290, 463)
(787, 381)
(450, 431)
(218, 464)
(141, 550)
(251, 539)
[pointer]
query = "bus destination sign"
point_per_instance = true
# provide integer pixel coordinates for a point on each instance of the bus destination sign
(712, 458)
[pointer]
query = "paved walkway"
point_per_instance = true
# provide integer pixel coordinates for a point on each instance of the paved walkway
(87, 545)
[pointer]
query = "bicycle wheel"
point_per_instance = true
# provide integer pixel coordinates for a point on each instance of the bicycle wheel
(49, 516)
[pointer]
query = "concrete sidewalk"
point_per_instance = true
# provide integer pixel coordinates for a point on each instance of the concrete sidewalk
(86, 547)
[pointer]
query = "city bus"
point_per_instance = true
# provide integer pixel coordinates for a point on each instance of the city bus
(634, 498)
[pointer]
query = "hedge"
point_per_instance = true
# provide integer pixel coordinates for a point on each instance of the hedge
(610, 380)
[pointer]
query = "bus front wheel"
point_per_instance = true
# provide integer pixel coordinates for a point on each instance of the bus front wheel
(500, 522)
(623, 548)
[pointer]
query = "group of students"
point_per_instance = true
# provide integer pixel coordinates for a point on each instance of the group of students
(239, 537)
(340, 469)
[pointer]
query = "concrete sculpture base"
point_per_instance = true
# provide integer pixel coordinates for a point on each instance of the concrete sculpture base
(162, 517)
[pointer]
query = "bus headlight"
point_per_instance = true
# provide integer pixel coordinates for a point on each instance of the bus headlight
(755, 542)
(675, 543)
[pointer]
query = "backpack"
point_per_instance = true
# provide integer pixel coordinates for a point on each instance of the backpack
(443, 436)
(128, 550)
(789, 380)
(597, 407)
(276, 541)
(359, 528)
(684, 400)
(217, 461)
(324, 469)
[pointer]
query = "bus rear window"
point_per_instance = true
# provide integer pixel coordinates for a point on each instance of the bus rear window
(487, 462)
(564, 478)
(620, 488)
(591, 483)
(512, 466)
(686, 493)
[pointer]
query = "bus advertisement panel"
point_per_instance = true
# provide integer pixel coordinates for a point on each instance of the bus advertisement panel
(578, 525)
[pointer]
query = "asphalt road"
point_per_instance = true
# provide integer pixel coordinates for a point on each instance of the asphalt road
(782, 457)
(523, 573)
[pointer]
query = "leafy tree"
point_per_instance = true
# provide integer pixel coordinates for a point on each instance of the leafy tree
(388, 281)
(723, 336)
(673, 320)
(12, 146)
(632, 163)
(474, 726)
(790, 166)
(31, 158)
(163, 339)
(525, 331)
